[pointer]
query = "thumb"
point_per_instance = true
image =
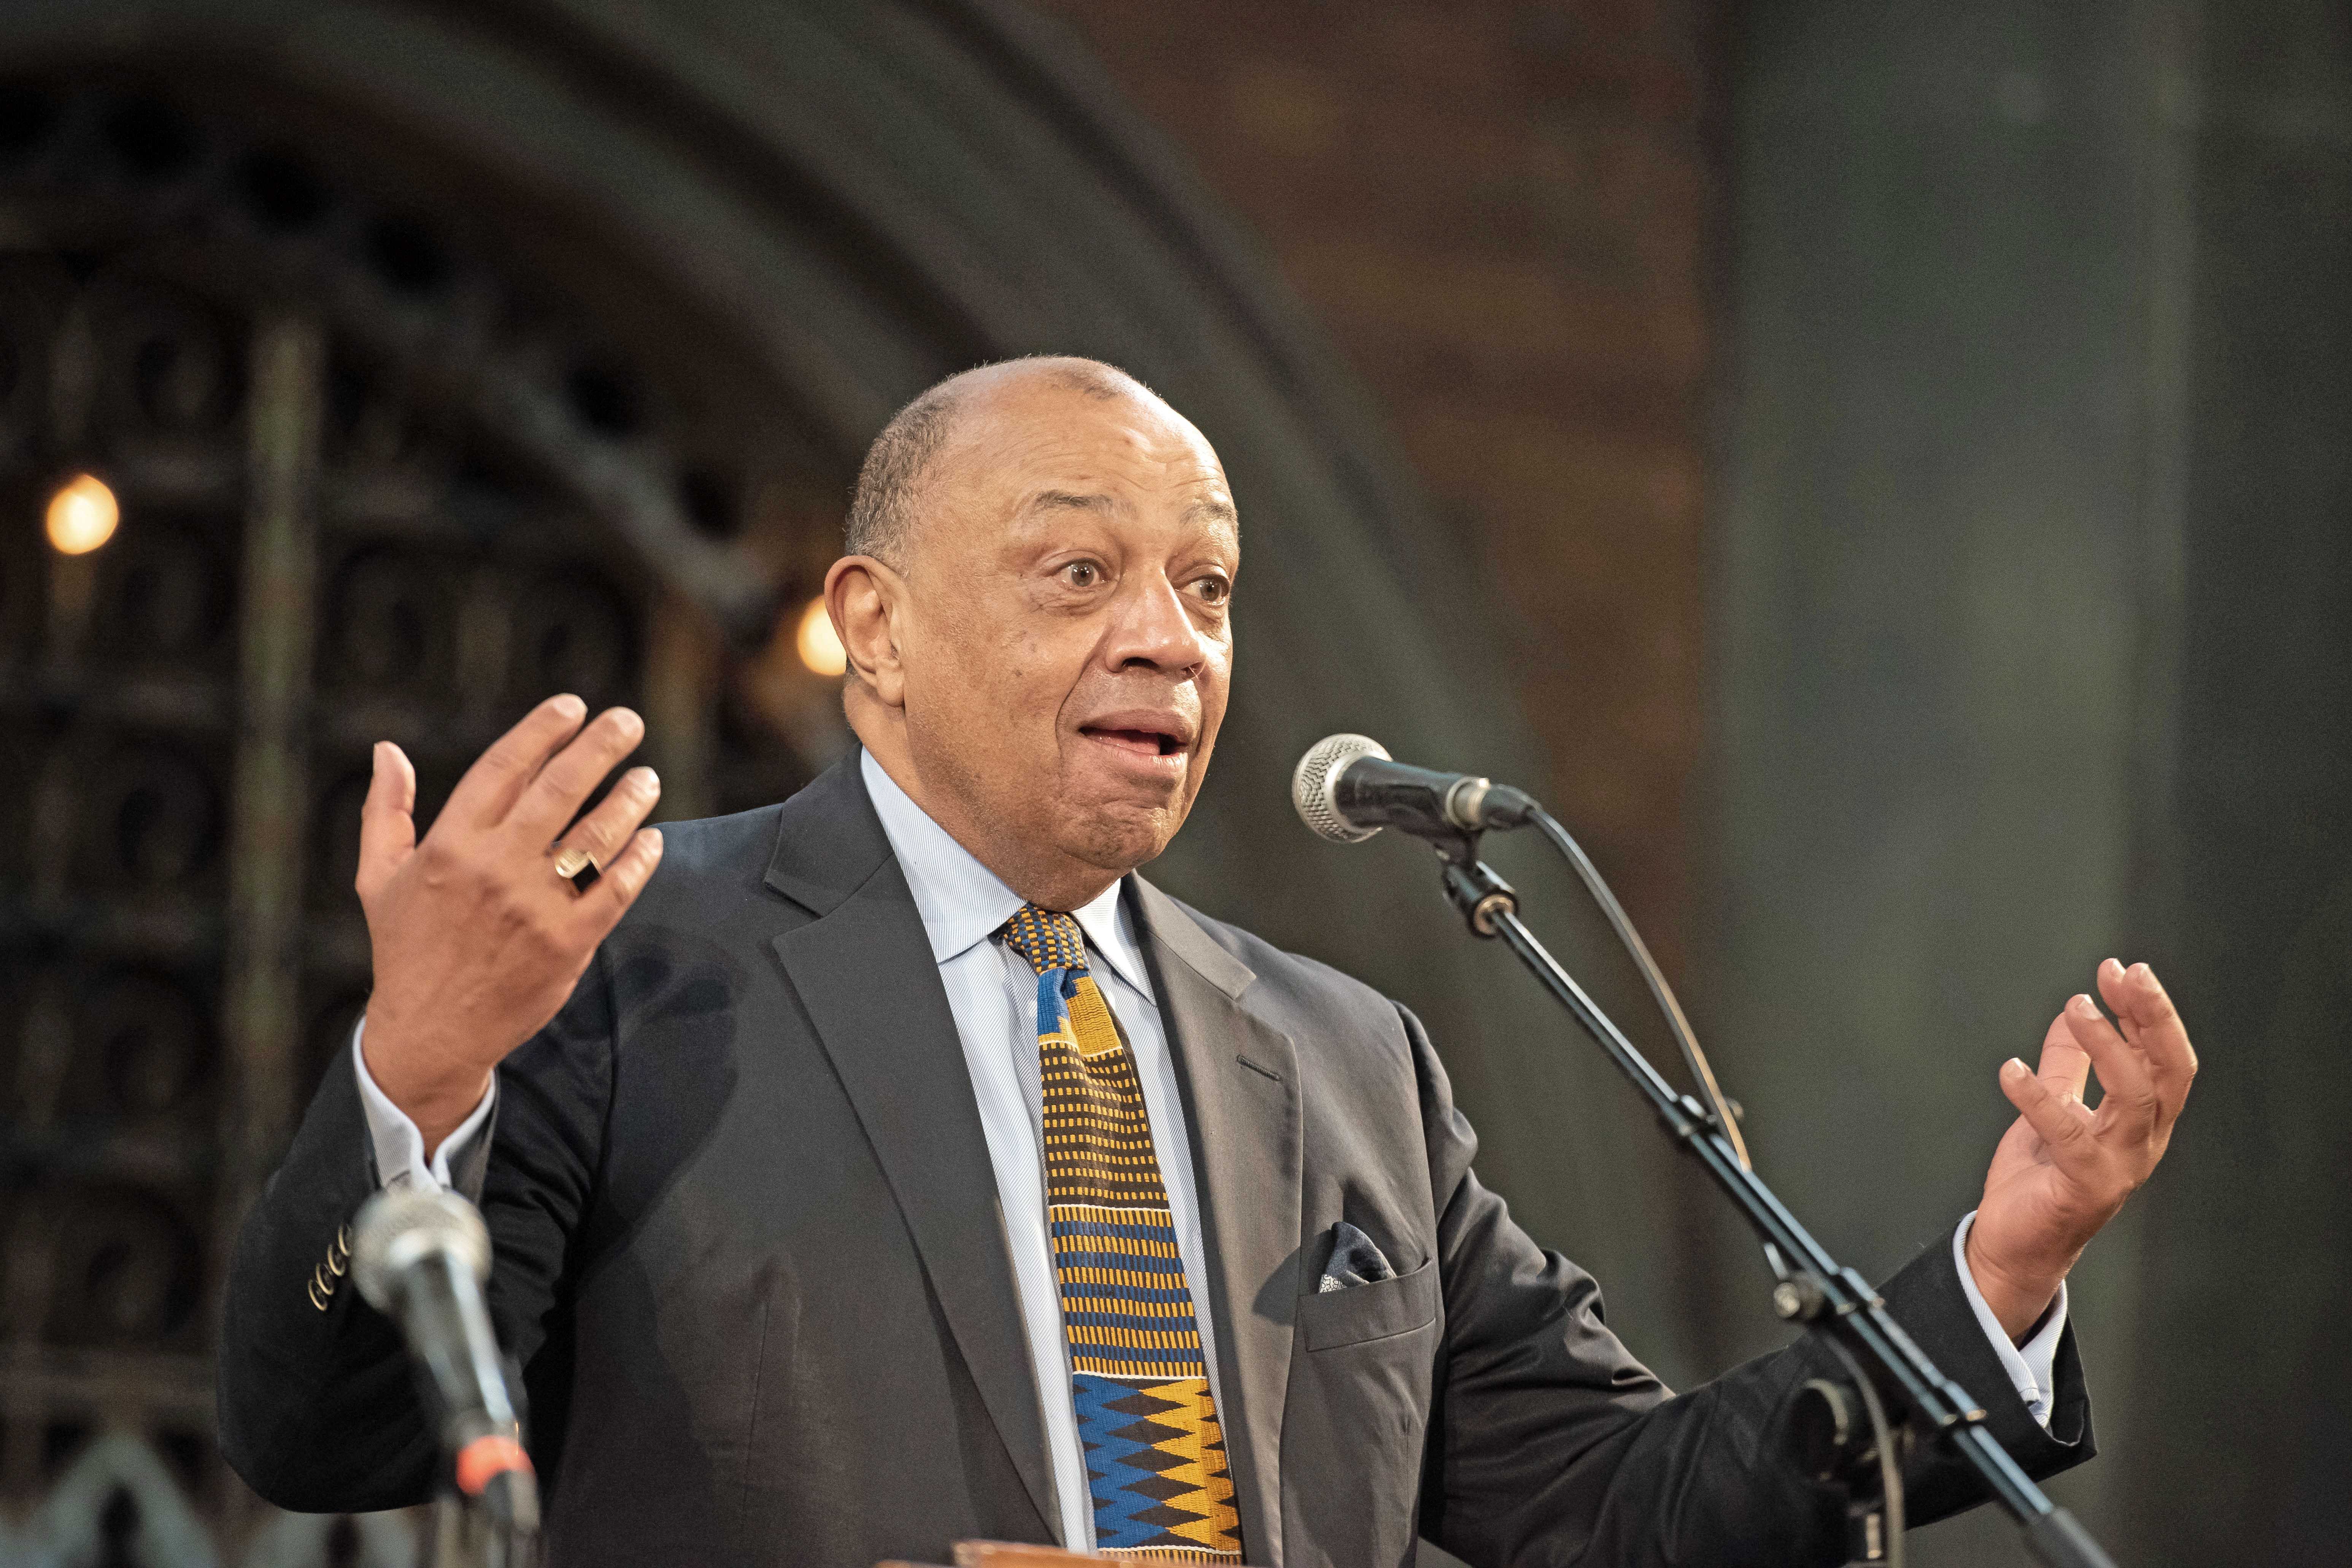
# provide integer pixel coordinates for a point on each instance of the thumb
(2061, 1121)
(387, 819)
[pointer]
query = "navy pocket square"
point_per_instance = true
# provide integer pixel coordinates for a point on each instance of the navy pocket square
(1355, 1260)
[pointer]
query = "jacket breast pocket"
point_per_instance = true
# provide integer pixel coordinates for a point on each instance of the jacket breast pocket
(1374, 1311)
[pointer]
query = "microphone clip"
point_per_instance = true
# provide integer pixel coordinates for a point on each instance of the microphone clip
(1483, 897)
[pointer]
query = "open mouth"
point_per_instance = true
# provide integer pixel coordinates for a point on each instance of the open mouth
(1143, 742)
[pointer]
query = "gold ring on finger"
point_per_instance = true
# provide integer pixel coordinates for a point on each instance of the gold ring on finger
(572, 860)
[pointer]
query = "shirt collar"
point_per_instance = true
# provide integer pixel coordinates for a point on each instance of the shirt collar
(963, 903)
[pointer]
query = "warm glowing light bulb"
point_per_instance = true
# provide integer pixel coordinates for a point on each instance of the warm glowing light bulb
(82, 515)
(819, 647)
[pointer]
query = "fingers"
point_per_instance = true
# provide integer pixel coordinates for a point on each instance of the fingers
(600, 909)
(2110, 976)
(487, 792)
(2140, 999)
(2063, 1125)
(2123, 1071)
(549, 801)
(2065, 1064)
(387, 818)
(604, 831)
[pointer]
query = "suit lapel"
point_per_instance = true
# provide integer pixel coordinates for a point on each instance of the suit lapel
(864, 970)
(1239, 1076)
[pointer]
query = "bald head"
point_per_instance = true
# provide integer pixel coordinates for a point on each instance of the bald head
(1034, 610)
(889, 499)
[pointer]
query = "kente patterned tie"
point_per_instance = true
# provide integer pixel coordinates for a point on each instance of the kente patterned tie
(1155, 1454)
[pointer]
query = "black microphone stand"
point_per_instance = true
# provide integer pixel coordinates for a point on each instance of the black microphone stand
(1836, 1303)
(464, 1533)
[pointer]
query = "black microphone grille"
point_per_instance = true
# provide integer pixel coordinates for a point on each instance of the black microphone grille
(1311, 785)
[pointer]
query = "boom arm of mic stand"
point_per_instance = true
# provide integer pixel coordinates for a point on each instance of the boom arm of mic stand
(1835, 1300)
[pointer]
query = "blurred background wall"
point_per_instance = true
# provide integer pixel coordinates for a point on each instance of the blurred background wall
(1878, 470)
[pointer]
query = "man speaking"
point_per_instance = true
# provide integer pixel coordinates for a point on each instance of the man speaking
(894, 1166)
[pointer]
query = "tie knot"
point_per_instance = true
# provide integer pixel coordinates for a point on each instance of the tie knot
(1048, 939)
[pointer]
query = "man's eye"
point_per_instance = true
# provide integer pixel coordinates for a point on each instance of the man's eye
(1216, 590)
(1082, 573)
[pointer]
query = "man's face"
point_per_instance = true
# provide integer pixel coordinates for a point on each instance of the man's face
(1065, 638)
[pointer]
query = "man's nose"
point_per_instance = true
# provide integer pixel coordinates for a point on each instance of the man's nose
(1155, 630)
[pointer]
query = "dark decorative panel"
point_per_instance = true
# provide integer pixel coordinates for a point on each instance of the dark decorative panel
(463, 544)
(152, 818)
(33, 293)
(330, 1013)
(171, 365)
(334, 853)
(165, 597)
(391, 623)
(125, 1271)
(572, 632)
(143, 1047)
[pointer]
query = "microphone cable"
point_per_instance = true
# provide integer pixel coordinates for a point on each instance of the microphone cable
(1718, 1106)
(1721, 1111)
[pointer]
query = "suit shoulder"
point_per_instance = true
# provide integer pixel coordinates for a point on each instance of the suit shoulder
(1293, 972)
(712, 855)
(727, 843)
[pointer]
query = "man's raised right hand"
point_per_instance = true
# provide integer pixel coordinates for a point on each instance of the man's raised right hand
(478, 941)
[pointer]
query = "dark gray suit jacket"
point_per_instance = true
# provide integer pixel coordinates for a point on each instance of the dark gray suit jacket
(748, 1252)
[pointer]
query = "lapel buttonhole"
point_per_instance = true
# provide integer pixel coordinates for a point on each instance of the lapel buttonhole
(1260, 1070)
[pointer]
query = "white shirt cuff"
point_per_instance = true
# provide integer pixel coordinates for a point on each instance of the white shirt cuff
(399, 1146)
(2032, 1366)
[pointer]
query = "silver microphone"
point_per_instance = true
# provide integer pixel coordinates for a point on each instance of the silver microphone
(420, 1258)
(399, 1230)
(1348, 787)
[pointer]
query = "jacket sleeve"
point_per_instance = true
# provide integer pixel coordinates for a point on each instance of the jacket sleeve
(319, 1410)
(1550, 1444)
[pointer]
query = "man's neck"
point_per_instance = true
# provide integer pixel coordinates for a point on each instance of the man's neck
(1068, 884)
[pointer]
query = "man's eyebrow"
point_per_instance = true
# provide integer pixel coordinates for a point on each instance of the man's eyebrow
(1071, 501)
(1208, 509)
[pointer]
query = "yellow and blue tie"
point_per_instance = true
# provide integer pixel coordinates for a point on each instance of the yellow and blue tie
(1155, 1454)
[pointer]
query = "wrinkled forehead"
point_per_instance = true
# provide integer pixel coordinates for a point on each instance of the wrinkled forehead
(1028, 451)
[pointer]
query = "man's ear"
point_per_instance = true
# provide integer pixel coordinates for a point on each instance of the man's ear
(864, 597)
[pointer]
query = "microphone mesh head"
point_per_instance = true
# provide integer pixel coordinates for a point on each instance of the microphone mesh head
(1318, 771)
(396, 1228)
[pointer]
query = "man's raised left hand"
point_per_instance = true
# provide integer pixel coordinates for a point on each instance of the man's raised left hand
(2063, 1169)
